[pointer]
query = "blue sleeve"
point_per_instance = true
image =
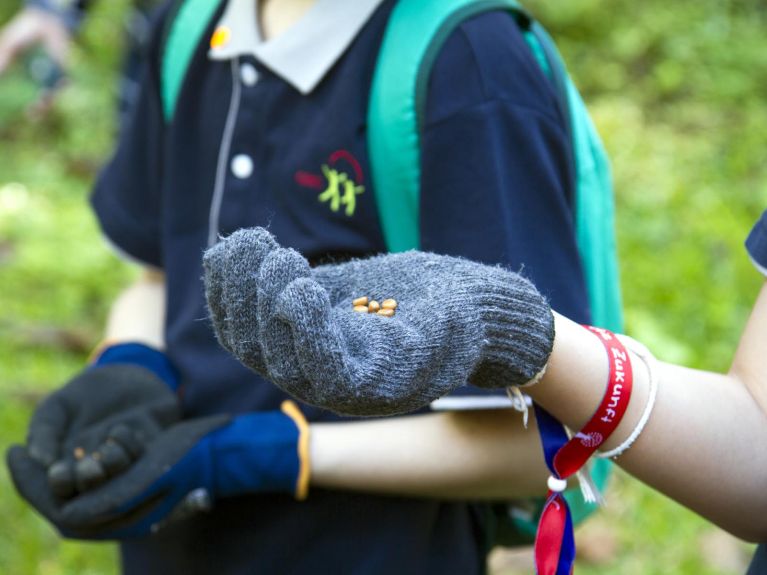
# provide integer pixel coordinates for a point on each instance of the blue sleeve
(127, 194)
(496, 174)
(759, 562)
(756, 244)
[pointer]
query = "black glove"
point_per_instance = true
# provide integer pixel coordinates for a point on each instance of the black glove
(98, 424)
(183, 470)
(129, 504)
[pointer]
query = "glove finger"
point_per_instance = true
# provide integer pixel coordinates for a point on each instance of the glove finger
(89, 474)
(119, 500)
(113, 457)
(150, 478)
(240, 292)
(31, 481)
(320, 350)
(231, 271)
(107, 460)
(166, 411)
(139, 521)
(47, 428)
(126, 438)
(61, 479)
(103, 514)
(213, 267)
(280, 268)
(355, 363)
(147, 517)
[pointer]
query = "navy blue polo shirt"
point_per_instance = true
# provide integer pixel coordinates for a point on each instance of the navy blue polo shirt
(756, 244)
(251, 149)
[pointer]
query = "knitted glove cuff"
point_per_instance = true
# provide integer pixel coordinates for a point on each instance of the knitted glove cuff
(518, 331)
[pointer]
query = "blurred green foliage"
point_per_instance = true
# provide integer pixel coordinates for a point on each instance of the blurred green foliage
(56, 275)
(676, 88)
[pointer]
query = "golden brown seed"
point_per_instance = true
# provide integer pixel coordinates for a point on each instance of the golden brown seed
(361, 308)
(360, 301)
(374, 306)
(389, 304)
(386, 312)
(79, 453)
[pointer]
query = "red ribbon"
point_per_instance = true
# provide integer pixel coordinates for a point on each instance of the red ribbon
(550, 537)
(574, 454)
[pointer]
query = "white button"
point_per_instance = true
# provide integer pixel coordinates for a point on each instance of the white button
(242, 166)
(248, 74)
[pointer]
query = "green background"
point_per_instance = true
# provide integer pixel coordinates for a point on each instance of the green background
(677, 90)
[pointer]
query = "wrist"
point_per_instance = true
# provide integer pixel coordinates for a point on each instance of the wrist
(139, 354)
(262, 453)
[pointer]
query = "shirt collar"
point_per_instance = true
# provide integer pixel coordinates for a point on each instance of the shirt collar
(306, 51)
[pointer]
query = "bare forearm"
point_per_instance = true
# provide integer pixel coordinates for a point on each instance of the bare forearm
(703, 445)
(462, 455)
(138, 314)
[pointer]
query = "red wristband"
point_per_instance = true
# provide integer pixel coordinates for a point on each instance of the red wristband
(571, 457)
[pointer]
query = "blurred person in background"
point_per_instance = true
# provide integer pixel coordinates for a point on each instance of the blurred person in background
(42, 33)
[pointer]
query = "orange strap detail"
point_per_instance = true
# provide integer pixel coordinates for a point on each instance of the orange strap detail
(290, 409)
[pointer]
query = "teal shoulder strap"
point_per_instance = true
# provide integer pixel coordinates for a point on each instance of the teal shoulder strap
(415, 33)
(184, 29)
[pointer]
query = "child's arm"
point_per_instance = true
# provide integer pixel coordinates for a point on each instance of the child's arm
(704, 442)
(138, 314)
(456, 455)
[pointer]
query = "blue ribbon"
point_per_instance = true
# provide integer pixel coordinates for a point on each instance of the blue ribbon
(554, 437)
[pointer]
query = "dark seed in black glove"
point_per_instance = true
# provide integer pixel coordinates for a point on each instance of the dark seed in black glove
(61, 478)
(89, 474)
(113, 457)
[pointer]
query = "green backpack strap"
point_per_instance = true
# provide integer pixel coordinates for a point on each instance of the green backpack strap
(186, 23)
(416, 31)
(594, 198)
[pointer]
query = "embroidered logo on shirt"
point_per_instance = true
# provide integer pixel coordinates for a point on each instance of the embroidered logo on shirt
(339, 187)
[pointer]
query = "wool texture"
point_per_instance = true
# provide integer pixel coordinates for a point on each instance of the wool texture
(457, 321)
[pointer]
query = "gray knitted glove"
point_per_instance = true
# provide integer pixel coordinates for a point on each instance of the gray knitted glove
(456, 321)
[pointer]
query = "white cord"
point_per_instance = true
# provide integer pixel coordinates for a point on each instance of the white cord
(519, 401)
(652, 370)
